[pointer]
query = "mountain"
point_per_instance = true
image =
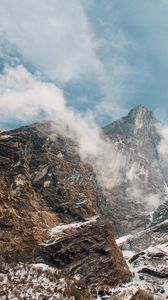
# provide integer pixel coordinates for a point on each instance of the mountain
(142, 187)
(138, 206)
(63, 236)
(49, 219)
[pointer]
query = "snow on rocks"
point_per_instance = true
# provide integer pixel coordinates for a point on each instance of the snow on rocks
(63, 227)
(5, 136)
(148, 267)
(36, 282)
(61, 230)
(162, 248)
(124, 240)
(46, 183)
(31, 282)
(43, 267)
(145, 264)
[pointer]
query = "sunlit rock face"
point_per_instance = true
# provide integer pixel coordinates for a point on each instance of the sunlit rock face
(144, 177)
(49, 210)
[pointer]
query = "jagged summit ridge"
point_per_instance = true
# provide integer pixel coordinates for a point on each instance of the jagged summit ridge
(139, 109)
(141, 112)
(139, 119)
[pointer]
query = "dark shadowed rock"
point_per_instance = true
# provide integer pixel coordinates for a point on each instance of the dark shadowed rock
(154, 273)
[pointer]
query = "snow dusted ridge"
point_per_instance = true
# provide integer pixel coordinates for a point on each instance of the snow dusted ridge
(125, 242)
(60, 230)
(149, 267)
(63, 227)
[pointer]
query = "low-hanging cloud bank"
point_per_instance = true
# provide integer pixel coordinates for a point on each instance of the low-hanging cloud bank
(23, 97)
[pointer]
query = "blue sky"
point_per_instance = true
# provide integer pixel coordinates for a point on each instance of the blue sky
(105, 55)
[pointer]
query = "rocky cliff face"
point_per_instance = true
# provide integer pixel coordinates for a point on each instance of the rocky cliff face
(142, 187)
(138, 206)
(48, 212)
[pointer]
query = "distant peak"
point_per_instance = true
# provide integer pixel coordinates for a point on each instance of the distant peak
(139, 118)
(141, 112)
(140, 109)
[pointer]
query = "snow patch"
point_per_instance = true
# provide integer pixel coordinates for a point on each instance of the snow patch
(36, 281)
(43, 267)
(63, 227)
(3, 137)
(124, 239)
(46, 183)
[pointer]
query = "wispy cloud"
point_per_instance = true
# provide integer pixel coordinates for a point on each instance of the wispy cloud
(163, 145)
(53, 35)
(116, 51)
(24, 96)
(61, 41)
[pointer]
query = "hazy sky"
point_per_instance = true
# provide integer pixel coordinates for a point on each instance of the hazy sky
(105, 55)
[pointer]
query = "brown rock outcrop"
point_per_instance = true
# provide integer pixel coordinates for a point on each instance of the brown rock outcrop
(48, 208)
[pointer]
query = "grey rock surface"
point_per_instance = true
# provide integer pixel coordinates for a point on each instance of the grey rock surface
(142, 187)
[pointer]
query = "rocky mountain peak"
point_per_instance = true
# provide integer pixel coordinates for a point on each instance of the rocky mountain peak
(141, 114)
(140, 109)
(140, 120)
(136, 136)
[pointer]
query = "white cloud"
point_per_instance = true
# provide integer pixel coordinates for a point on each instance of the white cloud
(53, 35)
(137, 193)
(59, 39)
(163, 145)
(70, 41)
(23, 95)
